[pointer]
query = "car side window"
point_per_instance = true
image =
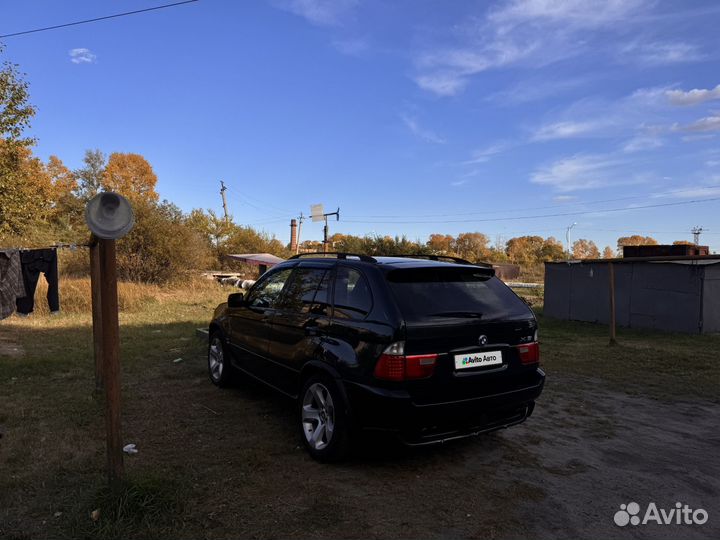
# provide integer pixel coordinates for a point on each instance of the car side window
(352, 296)
(301, 290)
(266, 293)
(321, 303)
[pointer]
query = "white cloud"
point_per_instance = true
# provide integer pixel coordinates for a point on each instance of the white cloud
(485, 154)
(82, 56)
(319, 12)
(692, 97)
(567, 130)
(708, 123)
(578, 14)
(640, 143)
(693, 192)
(536, 90)
(657, 53)
(420, 132)
(577, 172)
(536, 32)
(442, 84)
(564, 198)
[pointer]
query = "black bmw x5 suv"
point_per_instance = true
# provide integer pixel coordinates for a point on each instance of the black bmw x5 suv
(428, 348)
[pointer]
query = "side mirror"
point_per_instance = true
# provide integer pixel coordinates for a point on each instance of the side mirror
(236, 300)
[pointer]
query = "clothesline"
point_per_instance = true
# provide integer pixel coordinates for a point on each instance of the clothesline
(19, 273)
(71, 247)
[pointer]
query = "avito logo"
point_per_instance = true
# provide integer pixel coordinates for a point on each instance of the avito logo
(680, 515)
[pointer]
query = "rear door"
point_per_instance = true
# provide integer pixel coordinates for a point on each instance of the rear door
(473, 321)
(299, 322)
(250, 323)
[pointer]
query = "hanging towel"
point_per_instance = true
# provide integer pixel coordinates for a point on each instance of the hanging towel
(12, 285)
(33, 262)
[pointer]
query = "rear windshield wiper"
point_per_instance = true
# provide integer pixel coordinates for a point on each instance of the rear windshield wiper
(463, 314)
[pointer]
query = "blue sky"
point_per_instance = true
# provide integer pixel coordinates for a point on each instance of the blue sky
(412, 116)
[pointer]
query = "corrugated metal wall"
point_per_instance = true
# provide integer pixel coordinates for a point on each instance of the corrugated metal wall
(711, 299)
(663, 296)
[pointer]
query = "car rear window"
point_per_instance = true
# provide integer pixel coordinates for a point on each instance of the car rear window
(425, 294)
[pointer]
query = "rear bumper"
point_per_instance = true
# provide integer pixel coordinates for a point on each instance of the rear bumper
(394, 411)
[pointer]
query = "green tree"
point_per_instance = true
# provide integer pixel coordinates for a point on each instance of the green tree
(15, 108)
(20, 202)
(90, 176)
(161, 247)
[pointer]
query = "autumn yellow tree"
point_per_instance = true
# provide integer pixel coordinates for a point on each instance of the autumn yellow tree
(585, 249)
(608, 253)
(440, 244)
(524, 250)
(26, 192)
(472, 246)
(130, 175)
(635, 240)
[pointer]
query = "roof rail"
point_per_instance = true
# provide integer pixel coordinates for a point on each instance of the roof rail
(338, 255)
(457, 260)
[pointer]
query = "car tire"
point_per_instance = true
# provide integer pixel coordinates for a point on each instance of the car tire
(323, 419)
(219, 367)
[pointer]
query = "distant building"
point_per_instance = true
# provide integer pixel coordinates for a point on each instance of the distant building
(678, 294)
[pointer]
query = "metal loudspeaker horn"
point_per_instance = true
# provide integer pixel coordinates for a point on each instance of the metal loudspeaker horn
(109, 216)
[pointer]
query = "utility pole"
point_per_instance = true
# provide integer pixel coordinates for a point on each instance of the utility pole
(567, 238)
(696, 232)
(223, 189)
(317, 214)
(326, 229)
(299, 230)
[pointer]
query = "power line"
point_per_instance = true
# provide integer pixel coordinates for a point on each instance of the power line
(96, 19)
(561, 214)
(259, 204)
(579, 203)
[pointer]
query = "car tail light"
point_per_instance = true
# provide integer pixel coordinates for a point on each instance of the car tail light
(395, 365)
(529, 353)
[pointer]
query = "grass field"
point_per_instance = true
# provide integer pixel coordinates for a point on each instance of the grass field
(217, 463)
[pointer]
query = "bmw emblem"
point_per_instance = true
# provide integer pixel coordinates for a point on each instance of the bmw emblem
(482, 340)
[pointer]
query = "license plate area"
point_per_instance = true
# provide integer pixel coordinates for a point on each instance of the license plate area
(478, 359)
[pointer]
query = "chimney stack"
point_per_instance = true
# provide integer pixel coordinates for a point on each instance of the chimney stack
(293, 235)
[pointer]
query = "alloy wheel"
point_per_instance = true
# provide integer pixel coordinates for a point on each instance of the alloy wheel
(216, 359)
(318, 416)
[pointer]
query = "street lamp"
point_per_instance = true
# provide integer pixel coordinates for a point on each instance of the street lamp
(567, 238)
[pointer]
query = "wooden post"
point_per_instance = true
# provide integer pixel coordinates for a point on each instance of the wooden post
(96, 316)
(111, 360)
(611, 272)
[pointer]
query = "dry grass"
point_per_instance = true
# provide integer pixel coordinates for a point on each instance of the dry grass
(225, 463)
(132, 297)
